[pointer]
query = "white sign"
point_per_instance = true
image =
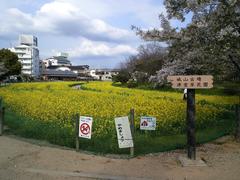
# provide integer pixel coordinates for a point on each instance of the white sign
(85, 127)
(123, 132)
(148, 123)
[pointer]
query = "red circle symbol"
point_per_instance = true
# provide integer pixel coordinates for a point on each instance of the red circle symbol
(85, 128)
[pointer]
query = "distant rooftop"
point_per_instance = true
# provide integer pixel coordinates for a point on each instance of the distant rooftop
(80, 67)
(29, 40)
(62, 54)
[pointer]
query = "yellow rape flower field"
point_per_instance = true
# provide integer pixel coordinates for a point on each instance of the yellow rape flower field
(46, 110)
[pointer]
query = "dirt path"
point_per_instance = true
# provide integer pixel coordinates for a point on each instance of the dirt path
(22, 160)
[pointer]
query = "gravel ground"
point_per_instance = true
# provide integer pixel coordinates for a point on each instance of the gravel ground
(23, 159)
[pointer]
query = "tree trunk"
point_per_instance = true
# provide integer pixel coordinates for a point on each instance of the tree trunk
(234, 62)
(238, 122)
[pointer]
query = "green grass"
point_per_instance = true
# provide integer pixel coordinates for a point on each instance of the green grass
(220, 88)
(144, 142)
(54, 133)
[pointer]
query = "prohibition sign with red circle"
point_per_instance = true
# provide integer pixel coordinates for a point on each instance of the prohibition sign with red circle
(85, 128)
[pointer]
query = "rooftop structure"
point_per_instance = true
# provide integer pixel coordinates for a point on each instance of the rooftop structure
(61, 59)
(28, 40)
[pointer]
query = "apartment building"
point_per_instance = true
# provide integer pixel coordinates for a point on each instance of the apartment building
(28, 54)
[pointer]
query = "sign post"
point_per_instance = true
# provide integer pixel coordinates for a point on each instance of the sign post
(1, 120)
(148, 123)
(85, 127)
(132, 130)
(77, 132)
(237, 108)
(191, 139)
(124, 135)
(191, 82)
(1, 117)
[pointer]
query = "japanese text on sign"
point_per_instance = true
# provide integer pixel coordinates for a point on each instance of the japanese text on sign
(191, 81)
(147, 123)
(123, 132)
(85, 127)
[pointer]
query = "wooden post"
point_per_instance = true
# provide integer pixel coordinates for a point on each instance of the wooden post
(1, 121)
(132, 130)
(191, 140)
(237, 109)
(77, 132)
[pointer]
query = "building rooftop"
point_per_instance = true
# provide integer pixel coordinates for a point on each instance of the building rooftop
(107, 70)
(53, 67)
(22, 46)
(80, 67)
(55, 73)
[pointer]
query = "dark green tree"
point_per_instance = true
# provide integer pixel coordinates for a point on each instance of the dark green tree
(9, 64)
(3, 70)
(123, 76)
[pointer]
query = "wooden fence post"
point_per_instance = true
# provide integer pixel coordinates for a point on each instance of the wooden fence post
(191, 139)
(132, 130)
(237, 110)
(77, 132)
(1, 116)
(1, 120)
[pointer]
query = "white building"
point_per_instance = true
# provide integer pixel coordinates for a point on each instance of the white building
(28, 55)
(61, 59)
(58, 73)
(103, 74)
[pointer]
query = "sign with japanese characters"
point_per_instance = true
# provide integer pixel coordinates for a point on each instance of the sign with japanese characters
(123, 132)
(191, 81)
(147, 123)
(85, 127)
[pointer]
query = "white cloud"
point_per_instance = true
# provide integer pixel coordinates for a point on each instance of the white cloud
(146, 11)
(89, 48)
(82, 18)
(90, 30)
(61, 18)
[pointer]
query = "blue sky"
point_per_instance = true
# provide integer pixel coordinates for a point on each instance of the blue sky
(93, 32)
